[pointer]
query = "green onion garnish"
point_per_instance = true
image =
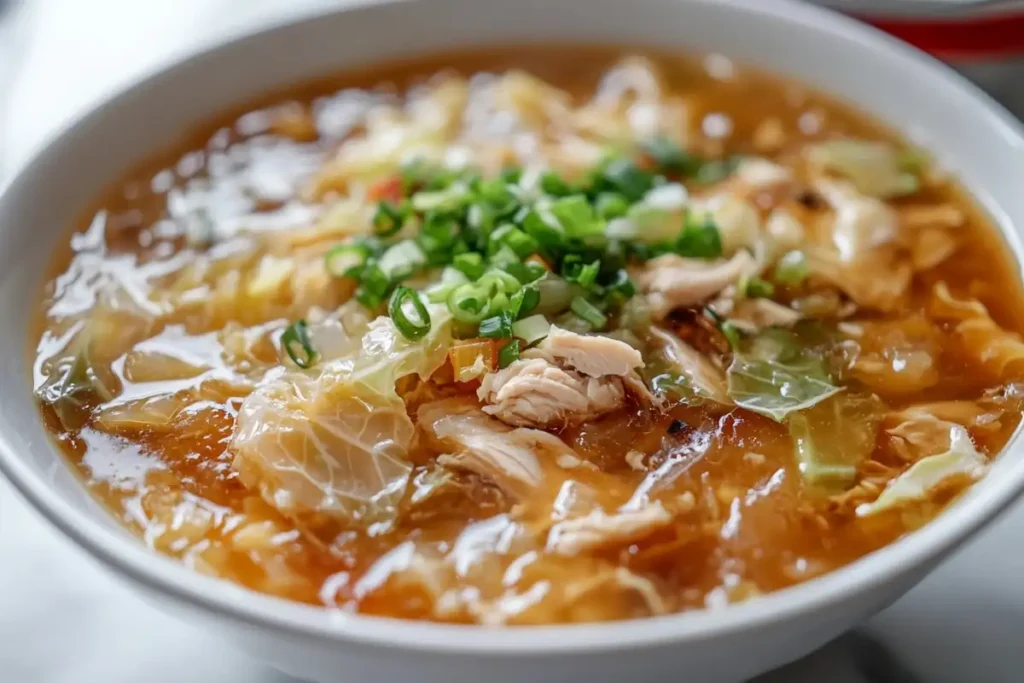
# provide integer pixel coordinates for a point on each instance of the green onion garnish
(470, 263)
(497, 327)
(792, 269)
(611, 205)
(524, 301)
(671, 158)
(700, 238)
(412, 328)
(346, 260)
(628, 179)
(469, 303)
(756, 288)
(590, 313)
(388, 219)
(402, 260)
(553, 184)
(508, 354)
(296, 343)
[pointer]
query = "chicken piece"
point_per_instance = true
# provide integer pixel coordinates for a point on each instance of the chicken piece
(706, 379)
(566, 380)
(589, 354)
(598, 529)
(672, 281)
(536, 393)
(514, 459)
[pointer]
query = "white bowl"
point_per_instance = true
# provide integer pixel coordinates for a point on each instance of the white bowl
(974, 136)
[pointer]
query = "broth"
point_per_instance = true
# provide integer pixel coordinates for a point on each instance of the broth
(161, 368)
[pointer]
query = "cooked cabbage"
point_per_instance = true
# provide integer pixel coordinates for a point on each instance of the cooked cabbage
(876, 168)
(960, 460)
(835, 436)
(775, 375)
(334, 441)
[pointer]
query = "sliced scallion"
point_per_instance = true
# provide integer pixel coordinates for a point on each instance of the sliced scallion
(700, 238)
(346, 260)
(589, 313)
(296, 343)
(405, 301)
(469, 303)
(792, 269)
(497, 326)
(388, 219)
(508, 354)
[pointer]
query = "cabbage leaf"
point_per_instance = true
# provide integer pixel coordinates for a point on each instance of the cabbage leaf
(775, 375)
(875, 168)
(834, 437)
(333, 441)
(961, 459)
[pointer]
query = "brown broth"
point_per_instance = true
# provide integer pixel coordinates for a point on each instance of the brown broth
(745, 523)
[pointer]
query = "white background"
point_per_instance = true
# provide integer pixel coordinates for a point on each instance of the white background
(64, 620)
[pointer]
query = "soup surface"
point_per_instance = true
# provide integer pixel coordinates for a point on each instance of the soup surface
(532, 336)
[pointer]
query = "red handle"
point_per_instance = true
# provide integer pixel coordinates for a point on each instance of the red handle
(978, 38)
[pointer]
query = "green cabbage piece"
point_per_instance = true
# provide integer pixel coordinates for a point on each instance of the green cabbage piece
(961, 459)
(775, 374)
(333, 441)
(875, 168)
(834, 437)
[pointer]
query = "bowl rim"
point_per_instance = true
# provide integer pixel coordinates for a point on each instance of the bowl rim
(170, 578)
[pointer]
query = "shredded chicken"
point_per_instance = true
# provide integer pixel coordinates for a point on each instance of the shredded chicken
(566, 380)
(512, 458)
(536, 393)
(590, 355)
(672, 281)
(597, 529)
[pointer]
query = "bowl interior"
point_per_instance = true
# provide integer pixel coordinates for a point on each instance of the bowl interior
(976, 139)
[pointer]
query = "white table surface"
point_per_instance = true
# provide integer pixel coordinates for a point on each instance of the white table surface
(65, 620)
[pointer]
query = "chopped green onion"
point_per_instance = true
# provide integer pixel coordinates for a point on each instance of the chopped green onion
(590, 313)
(469, 303)
(511, 175)
(756, 288)
(508, 354)
(545, 229)
(700, 238)
(296, 343)
(576, 216)
(515, 239)
(670, 157)
(731, 333)
(497, 327)
(373, 286)
(402, 260)
(499, 281)
(449, 200)
(388, 219)
(411, 328)
(525, 272)
(628, 179)
(450, 279)
(504, 257)
(622, 287)
(524, 301)
(611, 205)
(531, 329)
(470, 263)
(346, 260)
(553, 184)
(716, 170)
(792, 269)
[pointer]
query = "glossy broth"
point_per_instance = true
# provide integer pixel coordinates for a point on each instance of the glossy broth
(743, 519)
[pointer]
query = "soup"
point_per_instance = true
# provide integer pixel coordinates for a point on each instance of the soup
(532, 336)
